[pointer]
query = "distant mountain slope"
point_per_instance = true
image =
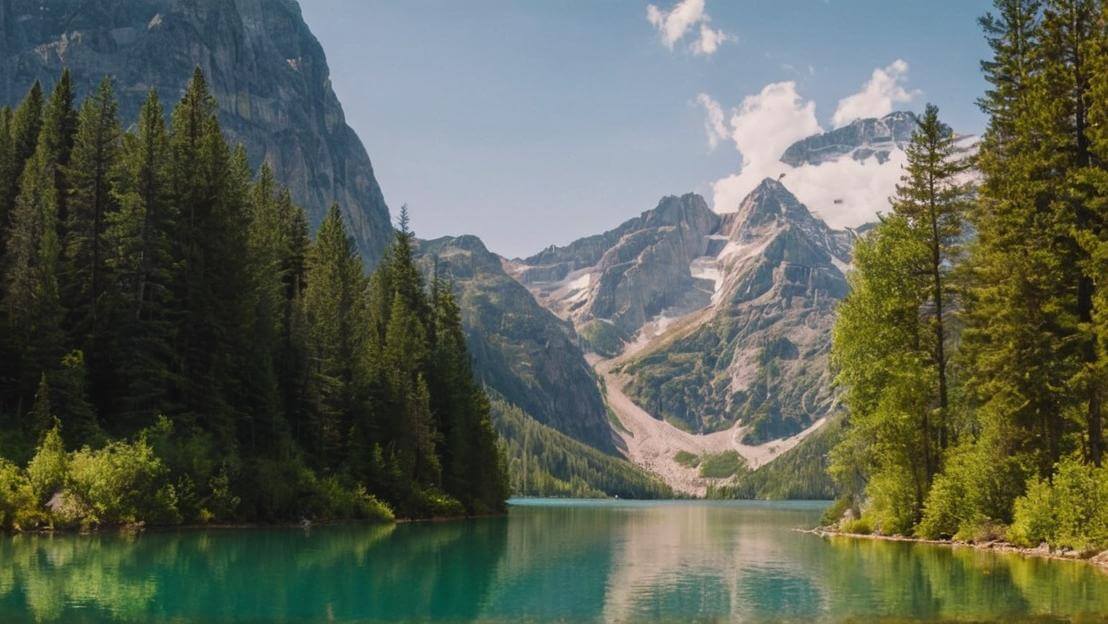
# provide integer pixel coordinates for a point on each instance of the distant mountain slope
(545, 462)
(611, 284)
(759, 357)
(520, 349)
(861, 139)
(265, 67)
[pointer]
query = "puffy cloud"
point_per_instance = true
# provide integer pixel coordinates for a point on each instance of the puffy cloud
(884, 89)
(685, 17)
(844, 192)
(761, 128)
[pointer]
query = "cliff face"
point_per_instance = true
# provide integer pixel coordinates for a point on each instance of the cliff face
(758, 355)
(860, 139)
(519, 349)
(611, 284)
(264, 65)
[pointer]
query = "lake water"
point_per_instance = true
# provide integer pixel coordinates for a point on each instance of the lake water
(578, 561)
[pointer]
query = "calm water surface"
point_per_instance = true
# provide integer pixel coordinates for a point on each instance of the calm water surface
(577, 561)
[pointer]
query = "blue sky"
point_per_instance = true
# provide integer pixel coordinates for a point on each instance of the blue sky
(537, 122)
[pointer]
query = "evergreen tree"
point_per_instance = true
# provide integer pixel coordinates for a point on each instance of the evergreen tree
(933, 200)
(91, 202)
(32, 302)
(59, 127)
(25, 124)
(333, 304)
(139, 242)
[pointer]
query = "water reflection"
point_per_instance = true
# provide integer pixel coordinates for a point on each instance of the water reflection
(581, 562)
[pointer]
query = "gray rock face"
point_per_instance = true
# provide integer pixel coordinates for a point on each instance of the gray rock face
(520, 349)
(759, 356)
(861, 139)
(630, 274)
(265, 67)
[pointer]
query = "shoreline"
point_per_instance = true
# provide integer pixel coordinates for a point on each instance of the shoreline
(1097, 560)
(241, 526)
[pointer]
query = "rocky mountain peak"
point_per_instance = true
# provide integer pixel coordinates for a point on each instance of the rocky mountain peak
(861, 139)
(769, 205)
(263, 64)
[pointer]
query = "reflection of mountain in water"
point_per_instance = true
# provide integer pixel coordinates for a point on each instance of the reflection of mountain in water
(571, 561)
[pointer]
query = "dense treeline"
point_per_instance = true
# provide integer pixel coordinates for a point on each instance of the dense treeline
(546, 462)
(974, 343)
(798, 474)
(175, 347)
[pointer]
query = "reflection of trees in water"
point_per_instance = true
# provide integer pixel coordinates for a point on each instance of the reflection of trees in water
(667, 562)
(898, 578)
(356, 572)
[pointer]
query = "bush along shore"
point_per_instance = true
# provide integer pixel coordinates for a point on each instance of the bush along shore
(843, 520)
(176, 349)
(972, 348)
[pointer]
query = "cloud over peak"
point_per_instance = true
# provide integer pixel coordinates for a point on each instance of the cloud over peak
(878, 96)
(687, 16)
(845, 191)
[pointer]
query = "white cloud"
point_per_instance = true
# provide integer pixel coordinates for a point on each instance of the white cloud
(761, 128)
(844, 192)
(878, 96)
(685, 17)
(714, 125)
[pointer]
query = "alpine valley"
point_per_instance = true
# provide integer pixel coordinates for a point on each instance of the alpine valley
(683, 351)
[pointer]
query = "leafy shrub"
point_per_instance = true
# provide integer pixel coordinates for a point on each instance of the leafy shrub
(834, 513)
(687, 459)
(1070, 513)
(861, 526)
(49, 468)
(433, 504)
(721, 465)
(952, 503)
(339, 502)
(17, 499)
(124, 482)
(892, 502)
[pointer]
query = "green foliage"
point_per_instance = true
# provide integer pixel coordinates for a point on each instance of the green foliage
(602, 337)
(721, 465)
(49, 468)
(687, 459)
(122, 483)
(799, 473)
(18, 504)
(546, 462)
(168, 315)
(835, 511)
(1071, 512)
(859, 526)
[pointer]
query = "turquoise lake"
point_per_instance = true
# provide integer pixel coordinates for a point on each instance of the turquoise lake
(547, 561)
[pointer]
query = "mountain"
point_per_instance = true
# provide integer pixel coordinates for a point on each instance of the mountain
(611, 284)
(520, 350)
(758, 355)
(860, 140)
(263, 64)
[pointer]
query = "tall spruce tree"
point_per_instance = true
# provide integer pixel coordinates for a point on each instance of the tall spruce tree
(91, 202)
(32, 301)
(26, 122)
(59, 128)
(140, 258)
(333, 304)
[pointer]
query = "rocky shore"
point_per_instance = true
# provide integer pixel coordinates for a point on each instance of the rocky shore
(1098, 559)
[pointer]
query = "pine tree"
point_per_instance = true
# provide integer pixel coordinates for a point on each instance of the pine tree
(139, 243)
(59, 127)
(32, 302)
(333, 303)
(1059, 113)
(91, 202)
(933, 199)
(26, 122)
